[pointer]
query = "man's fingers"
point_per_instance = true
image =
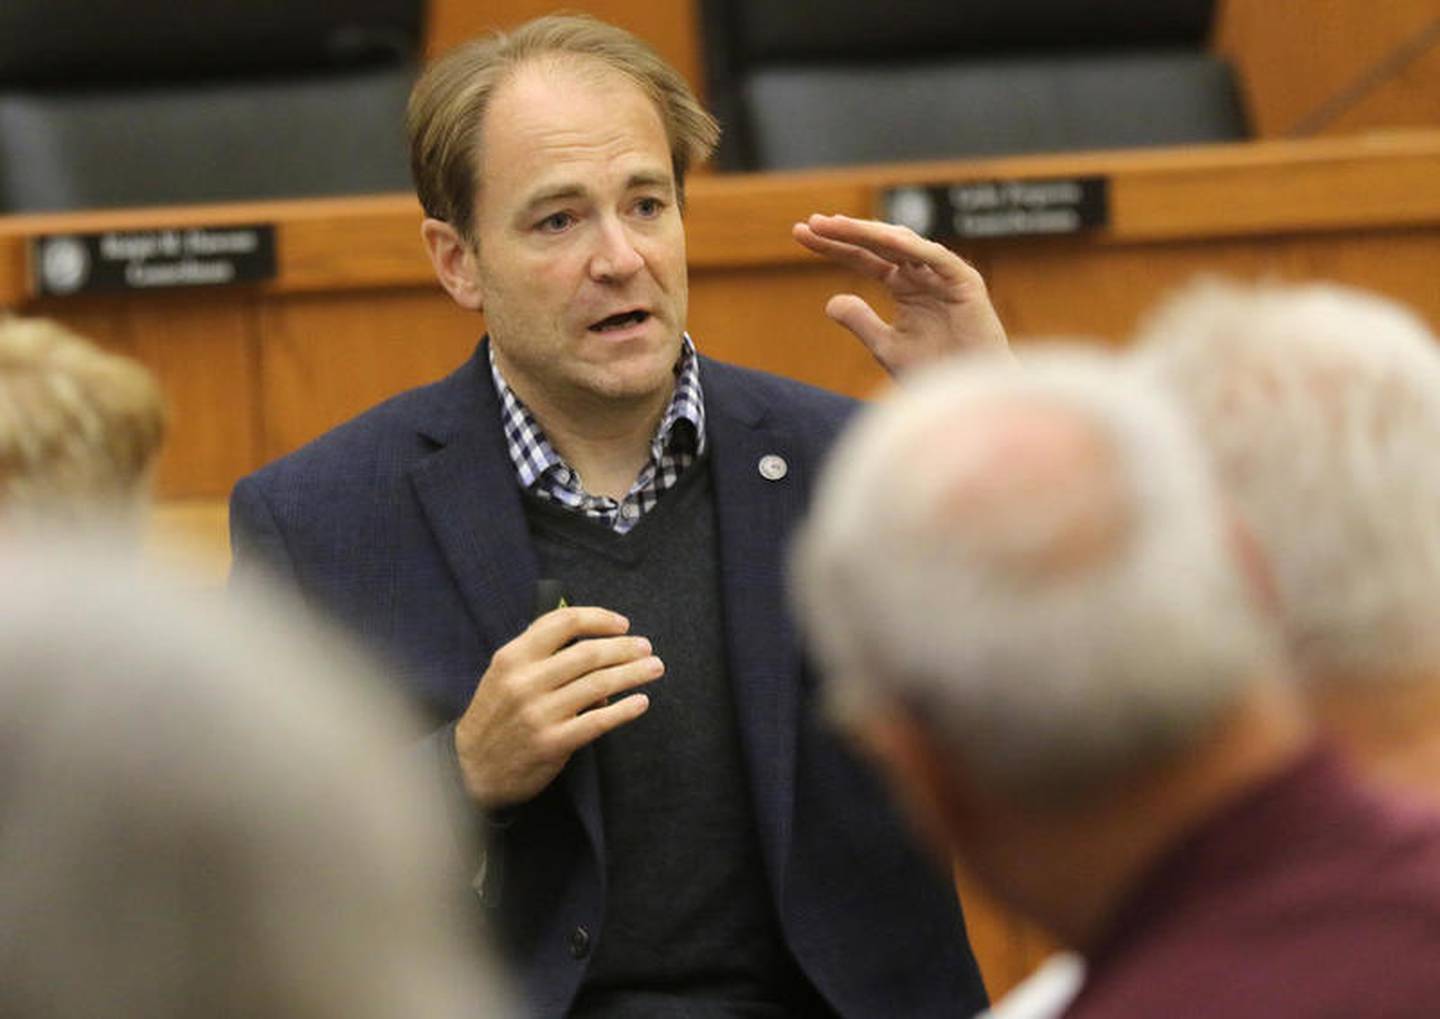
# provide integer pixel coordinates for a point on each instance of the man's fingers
(851, 257)
(852, 312)
(599, 686)
(897, 245)
(588, 726)
(552, 631)
(586, 656)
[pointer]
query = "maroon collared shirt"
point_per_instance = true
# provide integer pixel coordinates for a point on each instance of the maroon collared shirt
(1308, 896)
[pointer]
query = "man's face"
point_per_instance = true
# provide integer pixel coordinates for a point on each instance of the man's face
(580, 261)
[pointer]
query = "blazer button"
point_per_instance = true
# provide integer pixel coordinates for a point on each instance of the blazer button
(579, 943)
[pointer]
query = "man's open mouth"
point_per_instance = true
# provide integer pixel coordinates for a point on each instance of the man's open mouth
(620, 320)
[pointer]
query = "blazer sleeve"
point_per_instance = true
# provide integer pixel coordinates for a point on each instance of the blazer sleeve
(260, 556)
(257, 547)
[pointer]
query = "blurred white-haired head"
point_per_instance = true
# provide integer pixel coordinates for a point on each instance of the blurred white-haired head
(1032, 562)
(207, 809)
(1320, 408)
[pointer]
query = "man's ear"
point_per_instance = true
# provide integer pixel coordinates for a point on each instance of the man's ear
(920, 776)
(454, 262)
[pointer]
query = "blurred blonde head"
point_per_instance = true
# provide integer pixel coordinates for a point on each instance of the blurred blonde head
(79, 427)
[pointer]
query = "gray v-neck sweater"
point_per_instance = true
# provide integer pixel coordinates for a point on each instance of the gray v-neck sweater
(689, 926)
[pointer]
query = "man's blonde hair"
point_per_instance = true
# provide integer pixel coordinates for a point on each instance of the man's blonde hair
(79, 427)
(448, 104)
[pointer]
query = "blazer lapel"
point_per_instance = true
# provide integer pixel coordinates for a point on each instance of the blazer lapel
(755, 514)
(468, 491)
(472, 503)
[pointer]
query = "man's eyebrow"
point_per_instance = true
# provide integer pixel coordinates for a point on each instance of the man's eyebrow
(563, 192)
(650, 180)
(553, 194)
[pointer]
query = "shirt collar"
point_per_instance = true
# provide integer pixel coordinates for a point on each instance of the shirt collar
(682, 425)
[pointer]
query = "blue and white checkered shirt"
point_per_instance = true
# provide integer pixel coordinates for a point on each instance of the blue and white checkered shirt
(677, 443)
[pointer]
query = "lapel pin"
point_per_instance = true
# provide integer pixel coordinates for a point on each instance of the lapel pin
(773, 468)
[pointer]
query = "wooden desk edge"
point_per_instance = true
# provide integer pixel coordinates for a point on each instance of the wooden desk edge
(1376, 180)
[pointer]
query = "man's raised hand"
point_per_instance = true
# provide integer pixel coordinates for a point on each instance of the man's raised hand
(941, 304)
(544, 697)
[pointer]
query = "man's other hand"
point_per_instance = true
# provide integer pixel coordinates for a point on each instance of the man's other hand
(545, 695)
(942, 306)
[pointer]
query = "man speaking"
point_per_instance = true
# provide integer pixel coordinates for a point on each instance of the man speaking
(673, 830)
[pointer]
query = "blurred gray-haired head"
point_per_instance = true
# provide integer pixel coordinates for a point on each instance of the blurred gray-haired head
(206, 809)
(1032, 562)
(1320, 407)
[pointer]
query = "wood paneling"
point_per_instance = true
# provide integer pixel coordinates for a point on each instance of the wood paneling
(1104, 289)
(203, 352)
(1292, 58)
(374, 243)
(1403, 264)
(322, 243)
(1295, 58)
(1155, 194)
(1409, 98)
(327, 357)
(774, 320)
(671, 26)
(1006, 950)
(190, 539)
(743, 221)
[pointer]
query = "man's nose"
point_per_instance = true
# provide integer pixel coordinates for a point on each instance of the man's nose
(615, 256)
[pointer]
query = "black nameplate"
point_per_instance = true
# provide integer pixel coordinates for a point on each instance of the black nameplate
(1000, 208)
(200, 256)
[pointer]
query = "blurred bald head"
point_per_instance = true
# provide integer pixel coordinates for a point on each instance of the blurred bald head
(1031, 486)
(1034, 562)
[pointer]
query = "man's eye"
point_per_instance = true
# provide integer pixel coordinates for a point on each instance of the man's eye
(649, 207)
(555, 222)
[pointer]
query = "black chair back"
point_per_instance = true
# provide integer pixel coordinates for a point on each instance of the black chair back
(821, 82)
(142, 102)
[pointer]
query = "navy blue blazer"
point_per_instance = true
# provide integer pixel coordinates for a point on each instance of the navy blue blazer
(407, 524)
